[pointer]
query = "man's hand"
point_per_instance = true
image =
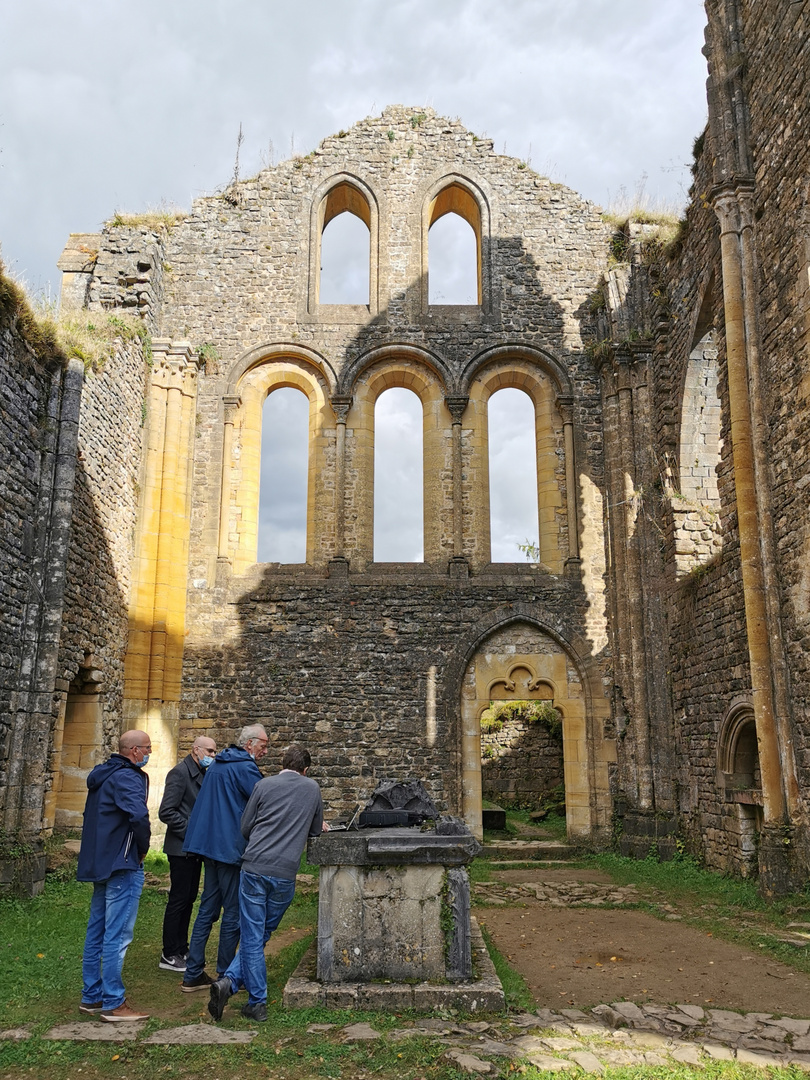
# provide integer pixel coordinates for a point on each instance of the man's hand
(325, 827)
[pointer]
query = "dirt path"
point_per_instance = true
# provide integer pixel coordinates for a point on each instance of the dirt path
(575, 957)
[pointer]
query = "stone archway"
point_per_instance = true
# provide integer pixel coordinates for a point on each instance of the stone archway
(521, 660)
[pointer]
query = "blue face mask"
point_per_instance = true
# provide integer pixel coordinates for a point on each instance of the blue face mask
(140, 764)
(206, 761)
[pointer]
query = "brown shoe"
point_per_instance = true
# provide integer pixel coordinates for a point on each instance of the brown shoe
(122, 1013)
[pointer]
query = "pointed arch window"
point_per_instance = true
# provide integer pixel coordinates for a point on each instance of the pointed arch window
(454, 248)
(344, 230)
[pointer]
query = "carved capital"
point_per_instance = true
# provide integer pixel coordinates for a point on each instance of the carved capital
(340, 407)
(232, 404)
(725, 200)
(565, 407)
(456, 407)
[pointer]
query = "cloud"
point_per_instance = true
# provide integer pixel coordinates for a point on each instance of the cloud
(103, 110)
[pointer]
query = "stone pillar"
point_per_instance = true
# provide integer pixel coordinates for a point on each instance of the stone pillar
(456, 406)
(779, 790)
(393, 904)
(153, 667)
(340, 406)
(623, 377)
(231, 407)
(565, 406)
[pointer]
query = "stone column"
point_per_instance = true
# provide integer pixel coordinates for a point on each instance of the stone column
(232, 406)
(153, 667)
(565, 405)
(742, 380)
(619, 386)
(340, 407)
(456, 407)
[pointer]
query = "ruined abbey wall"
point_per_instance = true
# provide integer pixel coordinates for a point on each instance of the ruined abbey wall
(340, 653)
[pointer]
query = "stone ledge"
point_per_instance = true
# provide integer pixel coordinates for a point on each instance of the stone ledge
(481, 995)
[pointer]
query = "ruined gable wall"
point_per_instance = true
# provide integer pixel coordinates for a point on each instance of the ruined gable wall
(343, 665)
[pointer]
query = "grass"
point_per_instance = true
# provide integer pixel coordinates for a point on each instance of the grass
(519, 826)
(57, 334)
(517, 993)
(93, 336)
(154, 218)
(40, 980)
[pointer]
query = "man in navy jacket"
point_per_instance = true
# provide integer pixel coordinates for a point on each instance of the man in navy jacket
(115, 840)
(179, 796)
(214, 832)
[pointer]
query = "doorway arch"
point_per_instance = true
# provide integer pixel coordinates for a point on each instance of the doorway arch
(523, 659)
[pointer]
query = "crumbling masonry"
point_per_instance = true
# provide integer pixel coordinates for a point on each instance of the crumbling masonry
(667, 614)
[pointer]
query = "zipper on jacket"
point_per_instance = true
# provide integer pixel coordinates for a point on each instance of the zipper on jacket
(129, 844)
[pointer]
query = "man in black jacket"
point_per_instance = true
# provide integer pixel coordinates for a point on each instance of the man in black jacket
(179, 795)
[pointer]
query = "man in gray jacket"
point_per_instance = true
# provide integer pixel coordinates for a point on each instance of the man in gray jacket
(281, 813)
(179, 795)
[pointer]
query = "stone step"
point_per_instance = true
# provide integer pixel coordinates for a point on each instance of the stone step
(526, 850)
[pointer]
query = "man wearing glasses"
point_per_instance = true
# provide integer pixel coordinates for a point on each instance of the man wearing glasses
(214, 833)
(180, 793)
(115, 840)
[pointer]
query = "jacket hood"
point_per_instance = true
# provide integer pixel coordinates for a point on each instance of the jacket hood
(107, 768)
(229, 754)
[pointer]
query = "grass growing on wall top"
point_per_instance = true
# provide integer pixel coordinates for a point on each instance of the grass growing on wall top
(57, 335)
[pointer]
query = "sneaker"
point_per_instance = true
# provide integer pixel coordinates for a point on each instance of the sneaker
(201, 982)
(256, 1012)
(124, 1012)
(221, 990)
(91, 1007)
(172, 963)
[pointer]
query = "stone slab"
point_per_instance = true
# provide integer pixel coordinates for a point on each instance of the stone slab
(96, 1031)
(199, 1035)
(587, 1061)
(468, 1063)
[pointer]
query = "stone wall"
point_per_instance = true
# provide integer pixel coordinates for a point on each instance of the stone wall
(352, 656)
(522, 762)
(722, 382)
(99, 570)
(29, 385)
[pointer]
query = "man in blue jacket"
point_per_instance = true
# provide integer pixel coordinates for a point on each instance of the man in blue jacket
(214, 832)
(115, 840)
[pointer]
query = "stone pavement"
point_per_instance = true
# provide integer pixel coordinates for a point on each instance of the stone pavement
(608, 1035)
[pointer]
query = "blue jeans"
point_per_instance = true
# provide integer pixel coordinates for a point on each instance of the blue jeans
(262, 903)
(113, 911)
(220, 893)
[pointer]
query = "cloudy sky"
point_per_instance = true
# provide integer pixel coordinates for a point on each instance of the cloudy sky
(106, 107)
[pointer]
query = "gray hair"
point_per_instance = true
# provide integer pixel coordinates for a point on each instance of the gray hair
(249, 733)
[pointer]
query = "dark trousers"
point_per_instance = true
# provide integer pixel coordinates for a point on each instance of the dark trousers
(184, 871)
